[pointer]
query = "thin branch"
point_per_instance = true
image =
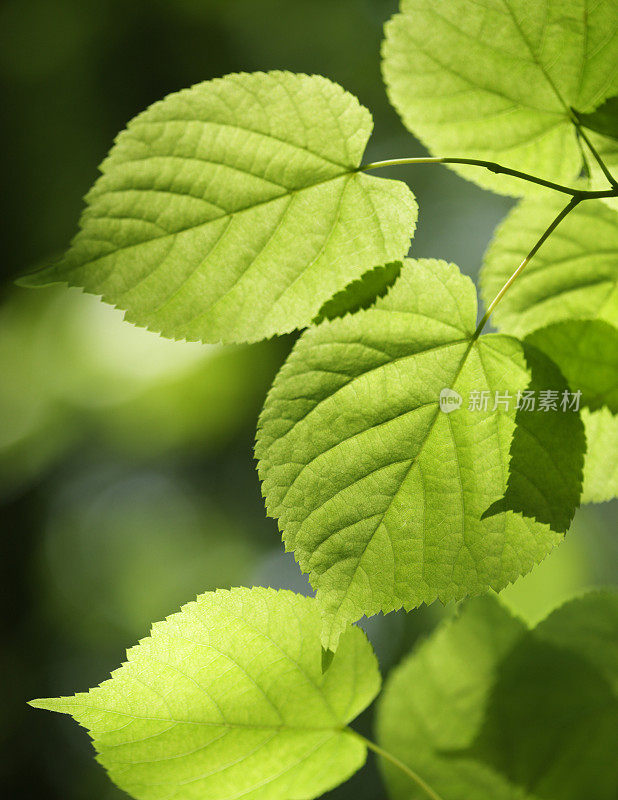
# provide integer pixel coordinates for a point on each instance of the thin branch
(431, 793)
(547, 233)
(604, 169)
(584, 154)
(498, 169)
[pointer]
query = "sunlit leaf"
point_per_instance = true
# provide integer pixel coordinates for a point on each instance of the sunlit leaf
(380, 494)
(496, 80)
(573, 276)
(586, 350)
(572, 279)
(231, 211)
(227, 699)
(601, 465)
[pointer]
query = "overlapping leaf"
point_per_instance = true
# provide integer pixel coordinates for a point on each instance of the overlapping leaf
(496, 79)
(487, 710)
(380, 495)
(601, 463)
(603, 133)
(546, 453)
(573, 276)
(361, 293)
(227, 699)
(233, 210)
(604, 120)
(586, 350)
(566, 301)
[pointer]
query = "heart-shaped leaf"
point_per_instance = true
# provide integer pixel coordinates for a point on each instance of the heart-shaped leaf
(231, 211)
(496, 80)
(227, 699)
(385, 441)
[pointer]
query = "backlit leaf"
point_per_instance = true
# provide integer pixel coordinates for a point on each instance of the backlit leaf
(227, 699)
(231, 211)
(547, 449)
(572, 279)
(495, 80)
(601, 464)
(573, 276)
(380, 494)
(586, 350)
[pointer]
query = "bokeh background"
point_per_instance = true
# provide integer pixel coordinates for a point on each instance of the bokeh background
(127, 479)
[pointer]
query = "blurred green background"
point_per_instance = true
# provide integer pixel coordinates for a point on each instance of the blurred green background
(127, 479)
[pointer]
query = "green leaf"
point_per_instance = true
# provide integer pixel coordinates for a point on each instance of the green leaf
(604, 120)
(552, 723)
(381, 495)
(586, 350)
(495, 80)
(487, 710)
(587, 625)
(547, 449)
(231, 211)
(361, 293)
(227, 699)
(434, 703)
(601, 464)
(573, 276)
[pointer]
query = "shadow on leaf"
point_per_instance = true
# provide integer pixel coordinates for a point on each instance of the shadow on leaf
(550, 724)
(547, 450)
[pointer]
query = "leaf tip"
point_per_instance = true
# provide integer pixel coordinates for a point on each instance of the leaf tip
(58, 704)
(41, 276)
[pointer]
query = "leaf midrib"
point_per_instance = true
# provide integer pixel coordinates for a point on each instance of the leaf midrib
(352, 380)
(60, 268)
(206, 723)
(383, 515)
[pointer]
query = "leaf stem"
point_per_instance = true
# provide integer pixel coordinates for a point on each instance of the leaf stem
(585, 155)
(613, 182)
(431, 793)
(574, 201)
(498, 169)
